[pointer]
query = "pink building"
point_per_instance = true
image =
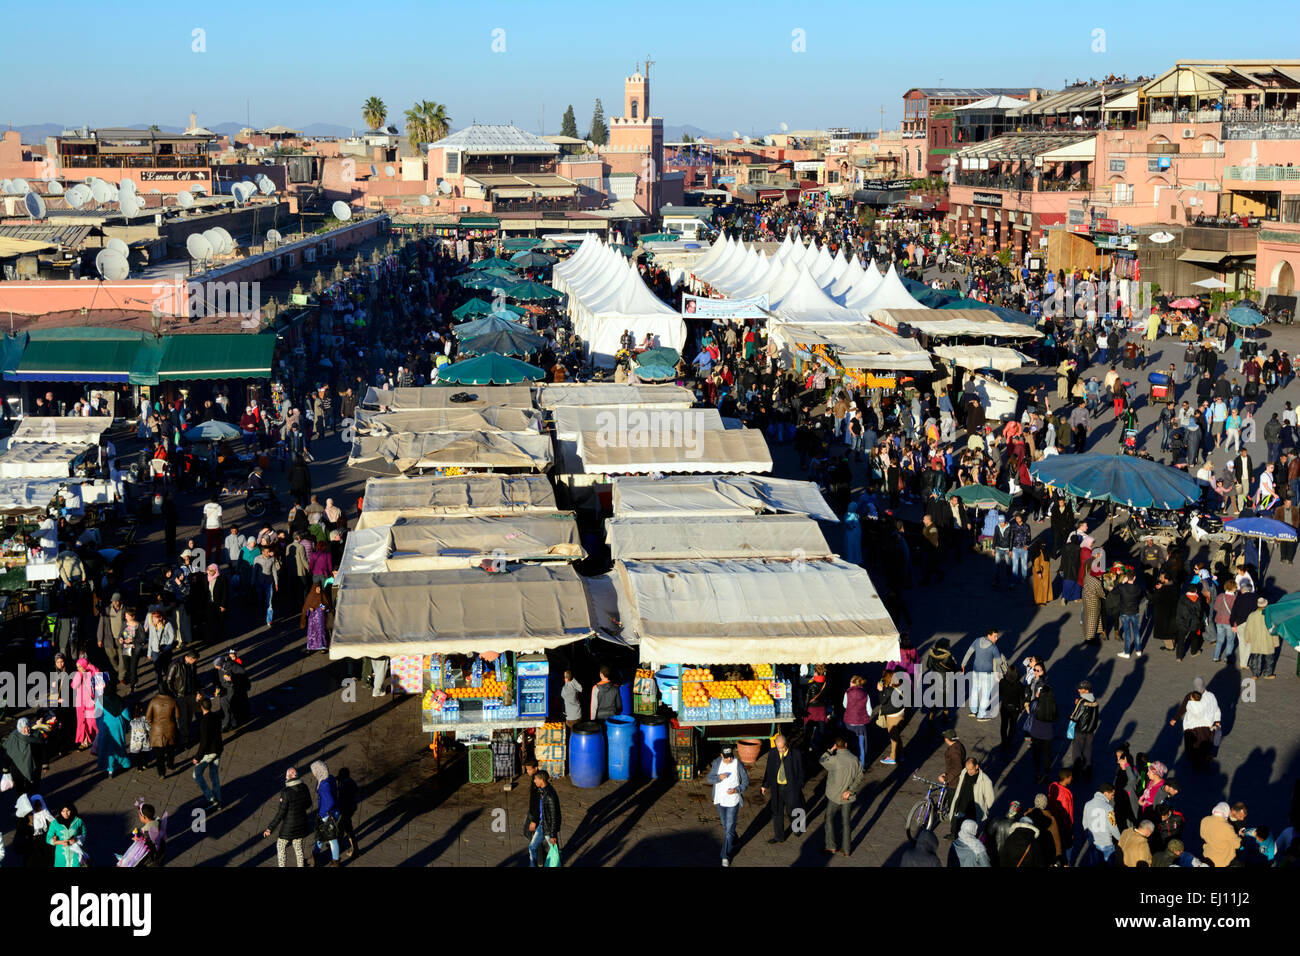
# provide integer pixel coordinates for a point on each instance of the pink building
(636, 143)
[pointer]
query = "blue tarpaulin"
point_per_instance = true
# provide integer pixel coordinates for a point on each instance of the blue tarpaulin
(1123, 479)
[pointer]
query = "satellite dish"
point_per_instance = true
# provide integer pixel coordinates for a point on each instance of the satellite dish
(245, 179)
(4, 185)
(113, 265)
(241, 191)
(76, 196)
(198, 247)
(114, 194)
(99, 260)
(1161, 237)
(55, 188)
(185, 199)
(266, 187)
(785, 127)
(444, 187)
(735, 134)
(130, 204)
(746, 140)
(425, 201)
(273, 235)
(35, 205)
(342, 211)
(126, 186)
(214, 239)
(155, 192)
(227, 241)
(99, 191)
(199, 189)
(118, 246)
(19, 187)
(390, 172)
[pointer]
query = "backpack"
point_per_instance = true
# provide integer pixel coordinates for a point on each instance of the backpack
(139, 739)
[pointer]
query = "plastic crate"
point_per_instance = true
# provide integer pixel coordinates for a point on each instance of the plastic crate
(553, 767)
(683, 737)
(549, 752)
(480, 765)
(503, 758)
(686, 771)
(550, 735)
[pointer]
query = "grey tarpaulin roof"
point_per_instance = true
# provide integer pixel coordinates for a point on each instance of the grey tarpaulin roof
(387, 499)
(39, 460)
(428, 544)
(466, 611)
(395, 454)
(678, 538)
(749, 612)
(24, 496)
(686, 450)
(559, 396)
(453, 419)
(718, 495)
(571, 420)
(60, 431)
(439, 396)
(955, 322)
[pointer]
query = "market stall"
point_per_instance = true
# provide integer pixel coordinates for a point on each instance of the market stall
(714, 537)
(703, 495)
(405, 399)
(387, 500)
(46, 460)
(488, 418)
(679, 448)
(478, 450)
(52, 430)
(627, 395)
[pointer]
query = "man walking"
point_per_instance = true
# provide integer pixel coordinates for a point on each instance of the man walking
(729, 780)
(1099, 821)
(844, 778)
(1129, 596)
(548, 807)
(1085, 719)
(208, 759)
(982, 660)
(784, 776)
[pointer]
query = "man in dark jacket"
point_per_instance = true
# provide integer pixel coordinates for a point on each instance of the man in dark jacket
(1020, 847)
(182, 683)
(232, 688)
(300, 480)
(293, 822)
(924, 853)
(1188, 623)
(208, 759)
(784, 777)
(954, 760)
(548, 811)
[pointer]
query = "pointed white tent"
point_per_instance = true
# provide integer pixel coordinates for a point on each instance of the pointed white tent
(864, 288)
(846, 281)
(890, 294)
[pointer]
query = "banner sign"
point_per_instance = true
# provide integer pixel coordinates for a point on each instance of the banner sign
(700, 307)
(987, 199)
(887, 184)
(173, 175)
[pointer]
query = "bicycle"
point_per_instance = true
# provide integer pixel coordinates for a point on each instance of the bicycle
(926, 813)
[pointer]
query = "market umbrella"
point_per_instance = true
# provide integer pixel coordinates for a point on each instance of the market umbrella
(1185, 303)
(550, 245)
(1211, 283)
(212, 431)
(489, 369)
(1263, 529)
(656, 373)
(485, 323)
(1246, 316)
(982, 496)
(660, 237)
(1124, 479)
(511, 339)
(1283, 617)
(474, 280)
(533, 260)
(471, 308)
(523, 243)
(659, 355)
(495, 261)
(532, 292)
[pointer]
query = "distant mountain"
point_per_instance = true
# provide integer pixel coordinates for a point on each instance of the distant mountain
(674, 134)
(35, 133)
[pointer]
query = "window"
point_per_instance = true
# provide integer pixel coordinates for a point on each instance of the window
(1291, 209)
(453, 163)
(635, 104)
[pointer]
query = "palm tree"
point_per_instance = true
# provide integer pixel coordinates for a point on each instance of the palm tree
(426, 122)
(374, 112)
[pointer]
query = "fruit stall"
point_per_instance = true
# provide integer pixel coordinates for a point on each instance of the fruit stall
(476, 692)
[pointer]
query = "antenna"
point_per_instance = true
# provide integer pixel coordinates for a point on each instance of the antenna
(390, 172)
(78, 196)
(273, 236)
(100, 192)
(198, 247)
(214, 239)
(35, 205)
(342, 211)
(130, 204)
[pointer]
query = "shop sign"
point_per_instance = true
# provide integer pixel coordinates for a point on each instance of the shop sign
(173, 175)
(987, 199)
(1075, 217)
(1106, 225)
(1117, 165)
(886, 184)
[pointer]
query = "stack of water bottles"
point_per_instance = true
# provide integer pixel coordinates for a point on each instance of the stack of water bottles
(785, 706)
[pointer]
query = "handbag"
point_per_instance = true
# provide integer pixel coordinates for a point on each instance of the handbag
(1069, 731)
(6, 782)
(327, 829)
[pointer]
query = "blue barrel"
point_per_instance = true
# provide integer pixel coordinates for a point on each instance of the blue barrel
(620, 740)
(625, 692)
(1158, 378)
(654, 754)
(587, 754)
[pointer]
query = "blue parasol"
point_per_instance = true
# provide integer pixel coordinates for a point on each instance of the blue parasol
(1122, 479)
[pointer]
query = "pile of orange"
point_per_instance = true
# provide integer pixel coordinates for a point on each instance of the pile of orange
(697, 674)
(491, 688)
(644, 673)
(764, 670)
(694, 695)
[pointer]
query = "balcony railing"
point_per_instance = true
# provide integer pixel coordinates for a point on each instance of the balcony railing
(1186, 116)
(1263, 174)
(1221, 235)
(1064, 186)
(1275, 115)
(134, 161)
(1020, 183)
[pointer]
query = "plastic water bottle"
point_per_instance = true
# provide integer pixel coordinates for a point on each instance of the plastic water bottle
(476, 673)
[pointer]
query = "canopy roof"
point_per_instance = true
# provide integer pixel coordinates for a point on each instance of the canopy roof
(462, 611)
(453, 419)
(750, 611)
(39, 460)
(1124, 479)
(571, 421)
(432, 543)
(579, 395)
(406, 399)
(399, 453)
(69, 430)
(642, 496)
(889, 294)
(860, 345)
(21, 496)
(954, 322)
(388, 499)
(491, 368)
(663, 538)
(675, 450)
(982, 356)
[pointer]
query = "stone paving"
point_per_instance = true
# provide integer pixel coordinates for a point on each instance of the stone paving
(414, 813)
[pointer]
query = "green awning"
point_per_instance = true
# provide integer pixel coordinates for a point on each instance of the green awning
(148, 359)
(11, 351)
(480, 222)
(217, 356)
(78, 355)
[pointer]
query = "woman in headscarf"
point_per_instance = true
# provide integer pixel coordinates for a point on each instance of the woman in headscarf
(327, 807)
(215, 609)
(86, 685)
(1041, 575)
(1156, 772)
(970, 851)
(314, 611)
(115, 731)
(67, 834)
(1200, 715)
(321, 563)
(333, 515)
(30, 832)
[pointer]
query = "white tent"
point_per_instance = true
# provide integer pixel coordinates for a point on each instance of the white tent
(804, 301)
(857, 345)
(579, 395)
(684, 450)
(863, 288)
(778, 537)
(749, 611)
(440, 396)
(71, 430)
(982, 356)
(19, 496)
(890, 294)
(403, 452)
(691, 496)
(952, 322)
(850, 277)
(39, 460)
(388, 499)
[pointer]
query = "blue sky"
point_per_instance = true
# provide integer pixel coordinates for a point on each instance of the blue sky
(717, 66)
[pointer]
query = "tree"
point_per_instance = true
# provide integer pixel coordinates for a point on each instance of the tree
(569, 125)
(426, 122)
(374, 112)
(687, 138)
(599, 132)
